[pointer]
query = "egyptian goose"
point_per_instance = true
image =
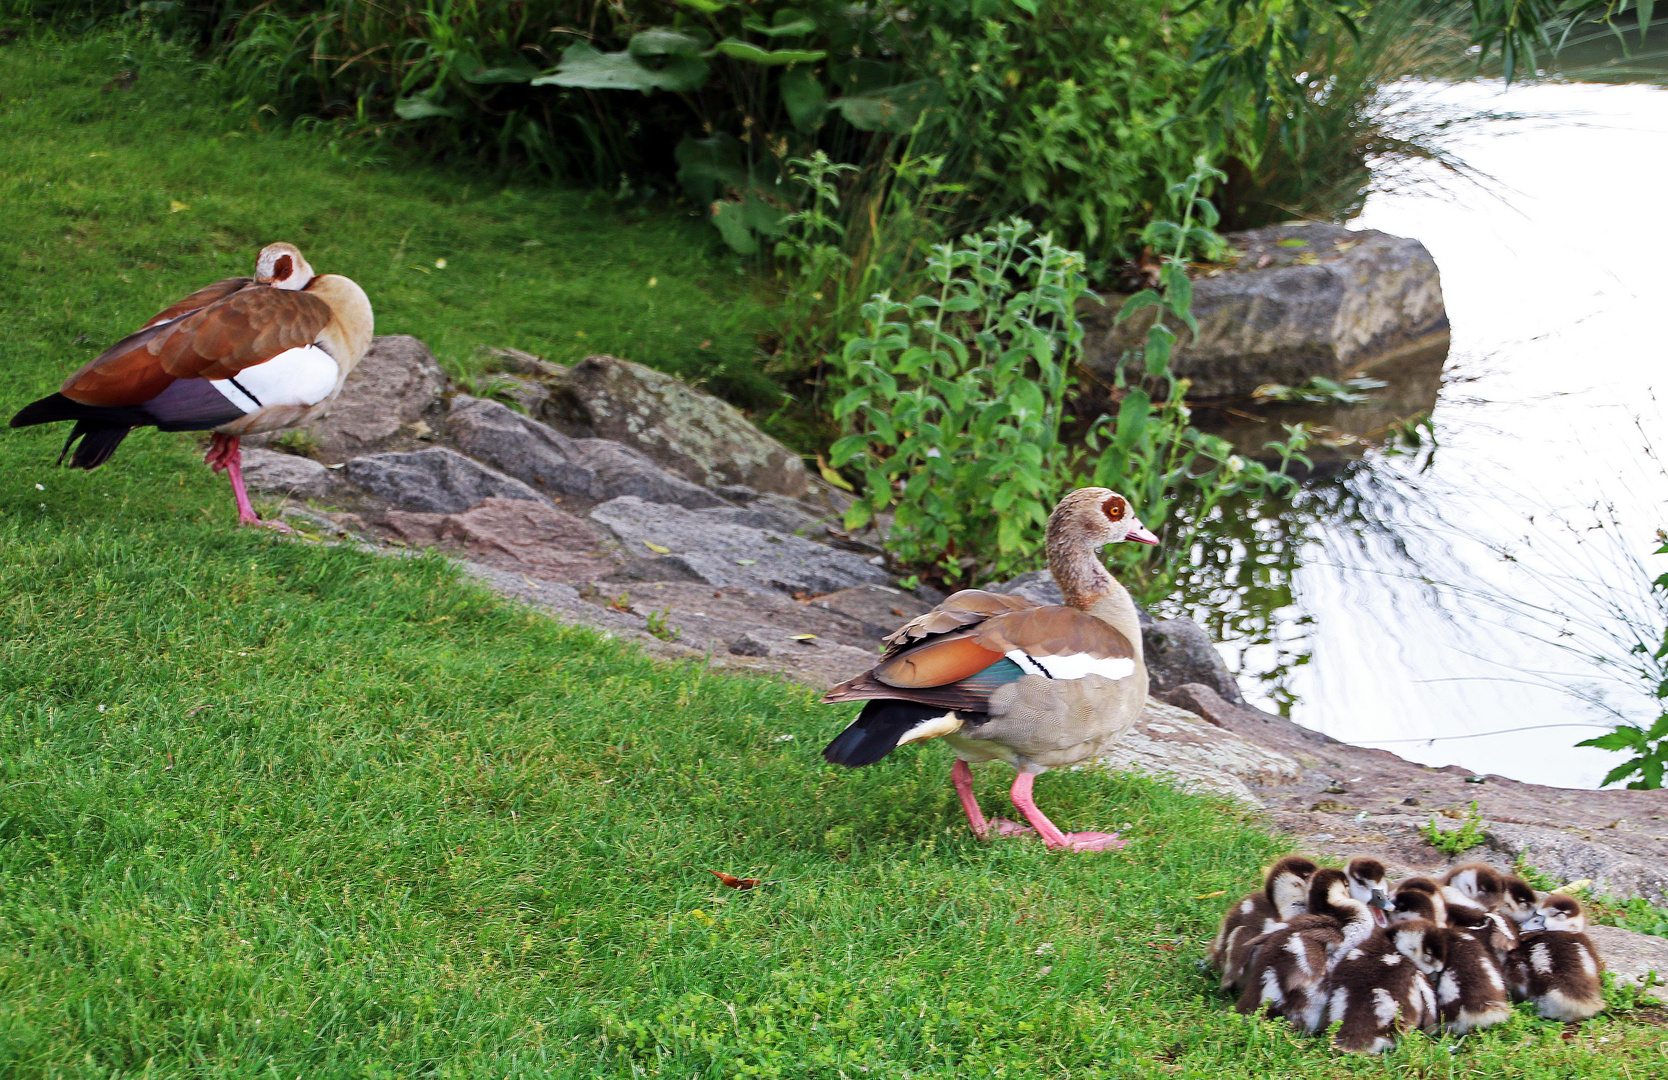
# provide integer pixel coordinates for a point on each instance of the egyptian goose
(1288, 968)
(1555, 964)
(1366, 883)
(1284, 896)
(1003, 678)
(1381, 988)
(242, 356)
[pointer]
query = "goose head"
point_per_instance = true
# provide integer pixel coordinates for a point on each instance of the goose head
(1366, 883)
(1094, 517)
(1430, 888)
(1558, 912)
(1287, 885)
(1424, 943)
(282, 267)
(1329, 895)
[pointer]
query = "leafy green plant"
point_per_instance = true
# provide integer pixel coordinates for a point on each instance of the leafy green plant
(956, 399)
(1649, 746)
(1320, 390)
(661, 627)
(1453, 841)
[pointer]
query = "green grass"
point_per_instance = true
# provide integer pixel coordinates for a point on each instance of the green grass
(93, 180)
(276, 810)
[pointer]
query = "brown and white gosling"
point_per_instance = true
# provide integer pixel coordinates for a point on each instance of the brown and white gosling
(1288, 968)
(1366, 883)
(1418, 898)
(1382, 987)
(1507, 894)
(1471, 990)
(1555, 965)
(1284, 895)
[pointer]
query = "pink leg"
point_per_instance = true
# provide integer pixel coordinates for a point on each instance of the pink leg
(1051, 834)
(228, 457)
(962, 777)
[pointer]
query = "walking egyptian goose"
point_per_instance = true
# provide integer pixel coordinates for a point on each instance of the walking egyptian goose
(239, 357)
(1003, 678)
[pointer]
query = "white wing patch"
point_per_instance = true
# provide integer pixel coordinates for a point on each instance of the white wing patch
(301, 376)
(1074, 666)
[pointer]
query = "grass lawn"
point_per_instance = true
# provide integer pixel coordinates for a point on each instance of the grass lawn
(275, 810)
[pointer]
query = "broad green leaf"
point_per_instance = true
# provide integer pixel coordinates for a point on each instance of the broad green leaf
(787, 23)
(664, 41)
(583, 66)
(1623, 738)
(519, 71)
(804, 97)
(730, 217)
(753, 54)
(706, 7)
(1160, 338)
(707, 166)
(420, 108)
(894, 109)
(1146, 298)
(846, 449)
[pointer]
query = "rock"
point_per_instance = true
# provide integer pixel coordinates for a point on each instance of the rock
(754, 643)
(880, 609)
(1631, 957)
(1034, 585)
(724, 554)
(285, 474)
(392, 390)
(436, 480)
(1287, 311)
(1569, 857)
(594, 470)
(1174, 744)
(1179, 652)
(513, 534)
(691, 433)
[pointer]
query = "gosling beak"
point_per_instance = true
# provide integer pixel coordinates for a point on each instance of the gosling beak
(1381, 899)
(1533, 923)
(1141, 534)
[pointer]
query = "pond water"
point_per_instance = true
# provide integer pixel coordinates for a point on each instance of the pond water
(1473, 602)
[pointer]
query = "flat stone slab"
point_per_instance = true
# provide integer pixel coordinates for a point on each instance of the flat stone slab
(703, 546)
(1303, 300)
(436, 480)
(1175, 745)
(384, 401)
(513, 534)
(1631, 957)
(593, 470)
(286, 474)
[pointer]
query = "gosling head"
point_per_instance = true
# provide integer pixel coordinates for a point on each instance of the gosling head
(1424, 943)
(282, 267)
(1477, 881)
(1366, 884)
(1409, 888)
(1411, 904)
(1287, 885)
(1559, 912)
(1517, 899)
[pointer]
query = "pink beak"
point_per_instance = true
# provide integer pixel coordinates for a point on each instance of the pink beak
(1141, 534)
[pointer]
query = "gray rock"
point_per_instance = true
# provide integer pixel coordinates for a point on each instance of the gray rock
(1179, 652)
(594, 470)
(1631, 957)
(1286, 313)
(513, 534)
(436, 480)
(1569, 857)
(285, 474)
(755, 643)
(724, 554)
(394, 388)
(880, 609)
(701, 438)
(1035, 585)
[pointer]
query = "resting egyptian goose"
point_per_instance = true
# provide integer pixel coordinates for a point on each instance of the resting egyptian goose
(1289, 967)
(242, 356)
(1555, 965)
(1382, 987)
(1284, 896)
(1003, 678)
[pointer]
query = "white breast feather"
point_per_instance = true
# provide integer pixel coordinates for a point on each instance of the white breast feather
(1074, 666)
(1385, 1007)
(302, 376)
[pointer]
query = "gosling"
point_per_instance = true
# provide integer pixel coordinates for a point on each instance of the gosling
(1381, 988)
(1284, 895)
(1555, 965)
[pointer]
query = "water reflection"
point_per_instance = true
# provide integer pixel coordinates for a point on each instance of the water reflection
(1493, 583)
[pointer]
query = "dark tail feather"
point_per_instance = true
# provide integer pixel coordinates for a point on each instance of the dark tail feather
(47, 410)
(96, 446)
(876, 731)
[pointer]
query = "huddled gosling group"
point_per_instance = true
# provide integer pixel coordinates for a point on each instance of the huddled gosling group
(1324, 947)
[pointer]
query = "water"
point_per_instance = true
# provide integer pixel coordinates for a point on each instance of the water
(1496, 582)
